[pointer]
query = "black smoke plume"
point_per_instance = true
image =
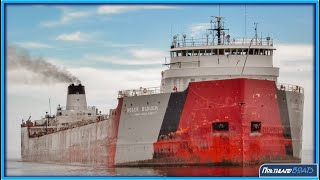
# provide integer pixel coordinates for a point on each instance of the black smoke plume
(17, 59)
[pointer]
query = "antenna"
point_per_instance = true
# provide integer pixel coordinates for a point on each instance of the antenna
(256, 32)
(49, 107)
(171, 32)
(207, 35)
(245, 22)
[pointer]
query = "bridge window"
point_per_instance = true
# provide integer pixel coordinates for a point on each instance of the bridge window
(244, 52)
(207, 52)
(227, 51)
(269, 52)
(202, 52)
(220, 52)
(214, 52)
(195, 52)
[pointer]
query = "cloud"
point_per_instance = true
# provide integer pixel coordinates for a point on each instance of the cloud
(135, 57)
(32, 45)
(115, 44)
(118, 9)
(68, 15)
(296, 62)
(75, 36)
(147, 53)
(294, 57)
(198, 29)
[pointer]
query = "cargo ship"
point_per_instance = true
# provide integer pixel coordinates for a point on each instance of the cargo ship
(219, 103)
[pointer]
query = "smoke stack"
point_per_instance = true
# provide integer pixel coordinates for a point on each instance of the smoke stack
(76, 98)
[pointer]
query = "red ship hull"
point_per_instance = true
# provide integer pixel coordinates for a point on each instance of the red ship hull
(237, 103)
(222, 122)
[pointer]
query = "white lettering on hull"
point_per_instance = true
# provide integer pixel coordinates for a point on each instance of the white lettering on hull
(144, 110)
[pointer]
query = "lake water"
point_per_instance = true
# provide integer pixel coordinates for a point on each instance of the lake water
(19, 168)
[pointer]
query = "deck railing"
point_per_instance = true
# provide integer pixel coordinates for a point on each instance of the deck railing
(139, 92)
(62, 108)
(203, 42)
(157, 90)
(290, 87)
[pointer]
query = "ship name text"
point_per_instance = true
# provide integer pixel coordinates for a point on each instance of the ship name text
(142, 109)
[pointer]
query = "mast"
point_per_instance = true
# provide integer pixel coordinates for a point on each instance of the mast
(218, 27)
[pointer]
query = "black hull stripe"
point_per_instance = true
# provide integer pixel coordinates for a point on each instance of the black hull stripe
(174, 109)
(284, 115)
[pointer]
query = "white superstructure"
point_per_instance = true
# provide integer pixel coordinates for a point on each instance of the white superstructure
(75, 113)
(218, 56)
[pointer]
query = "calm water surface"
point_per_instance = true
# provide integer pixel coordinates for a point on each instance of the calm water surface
(18, 168)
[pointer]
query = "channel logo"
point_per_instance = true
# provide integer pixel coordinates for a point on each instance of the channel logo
(288, 170)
